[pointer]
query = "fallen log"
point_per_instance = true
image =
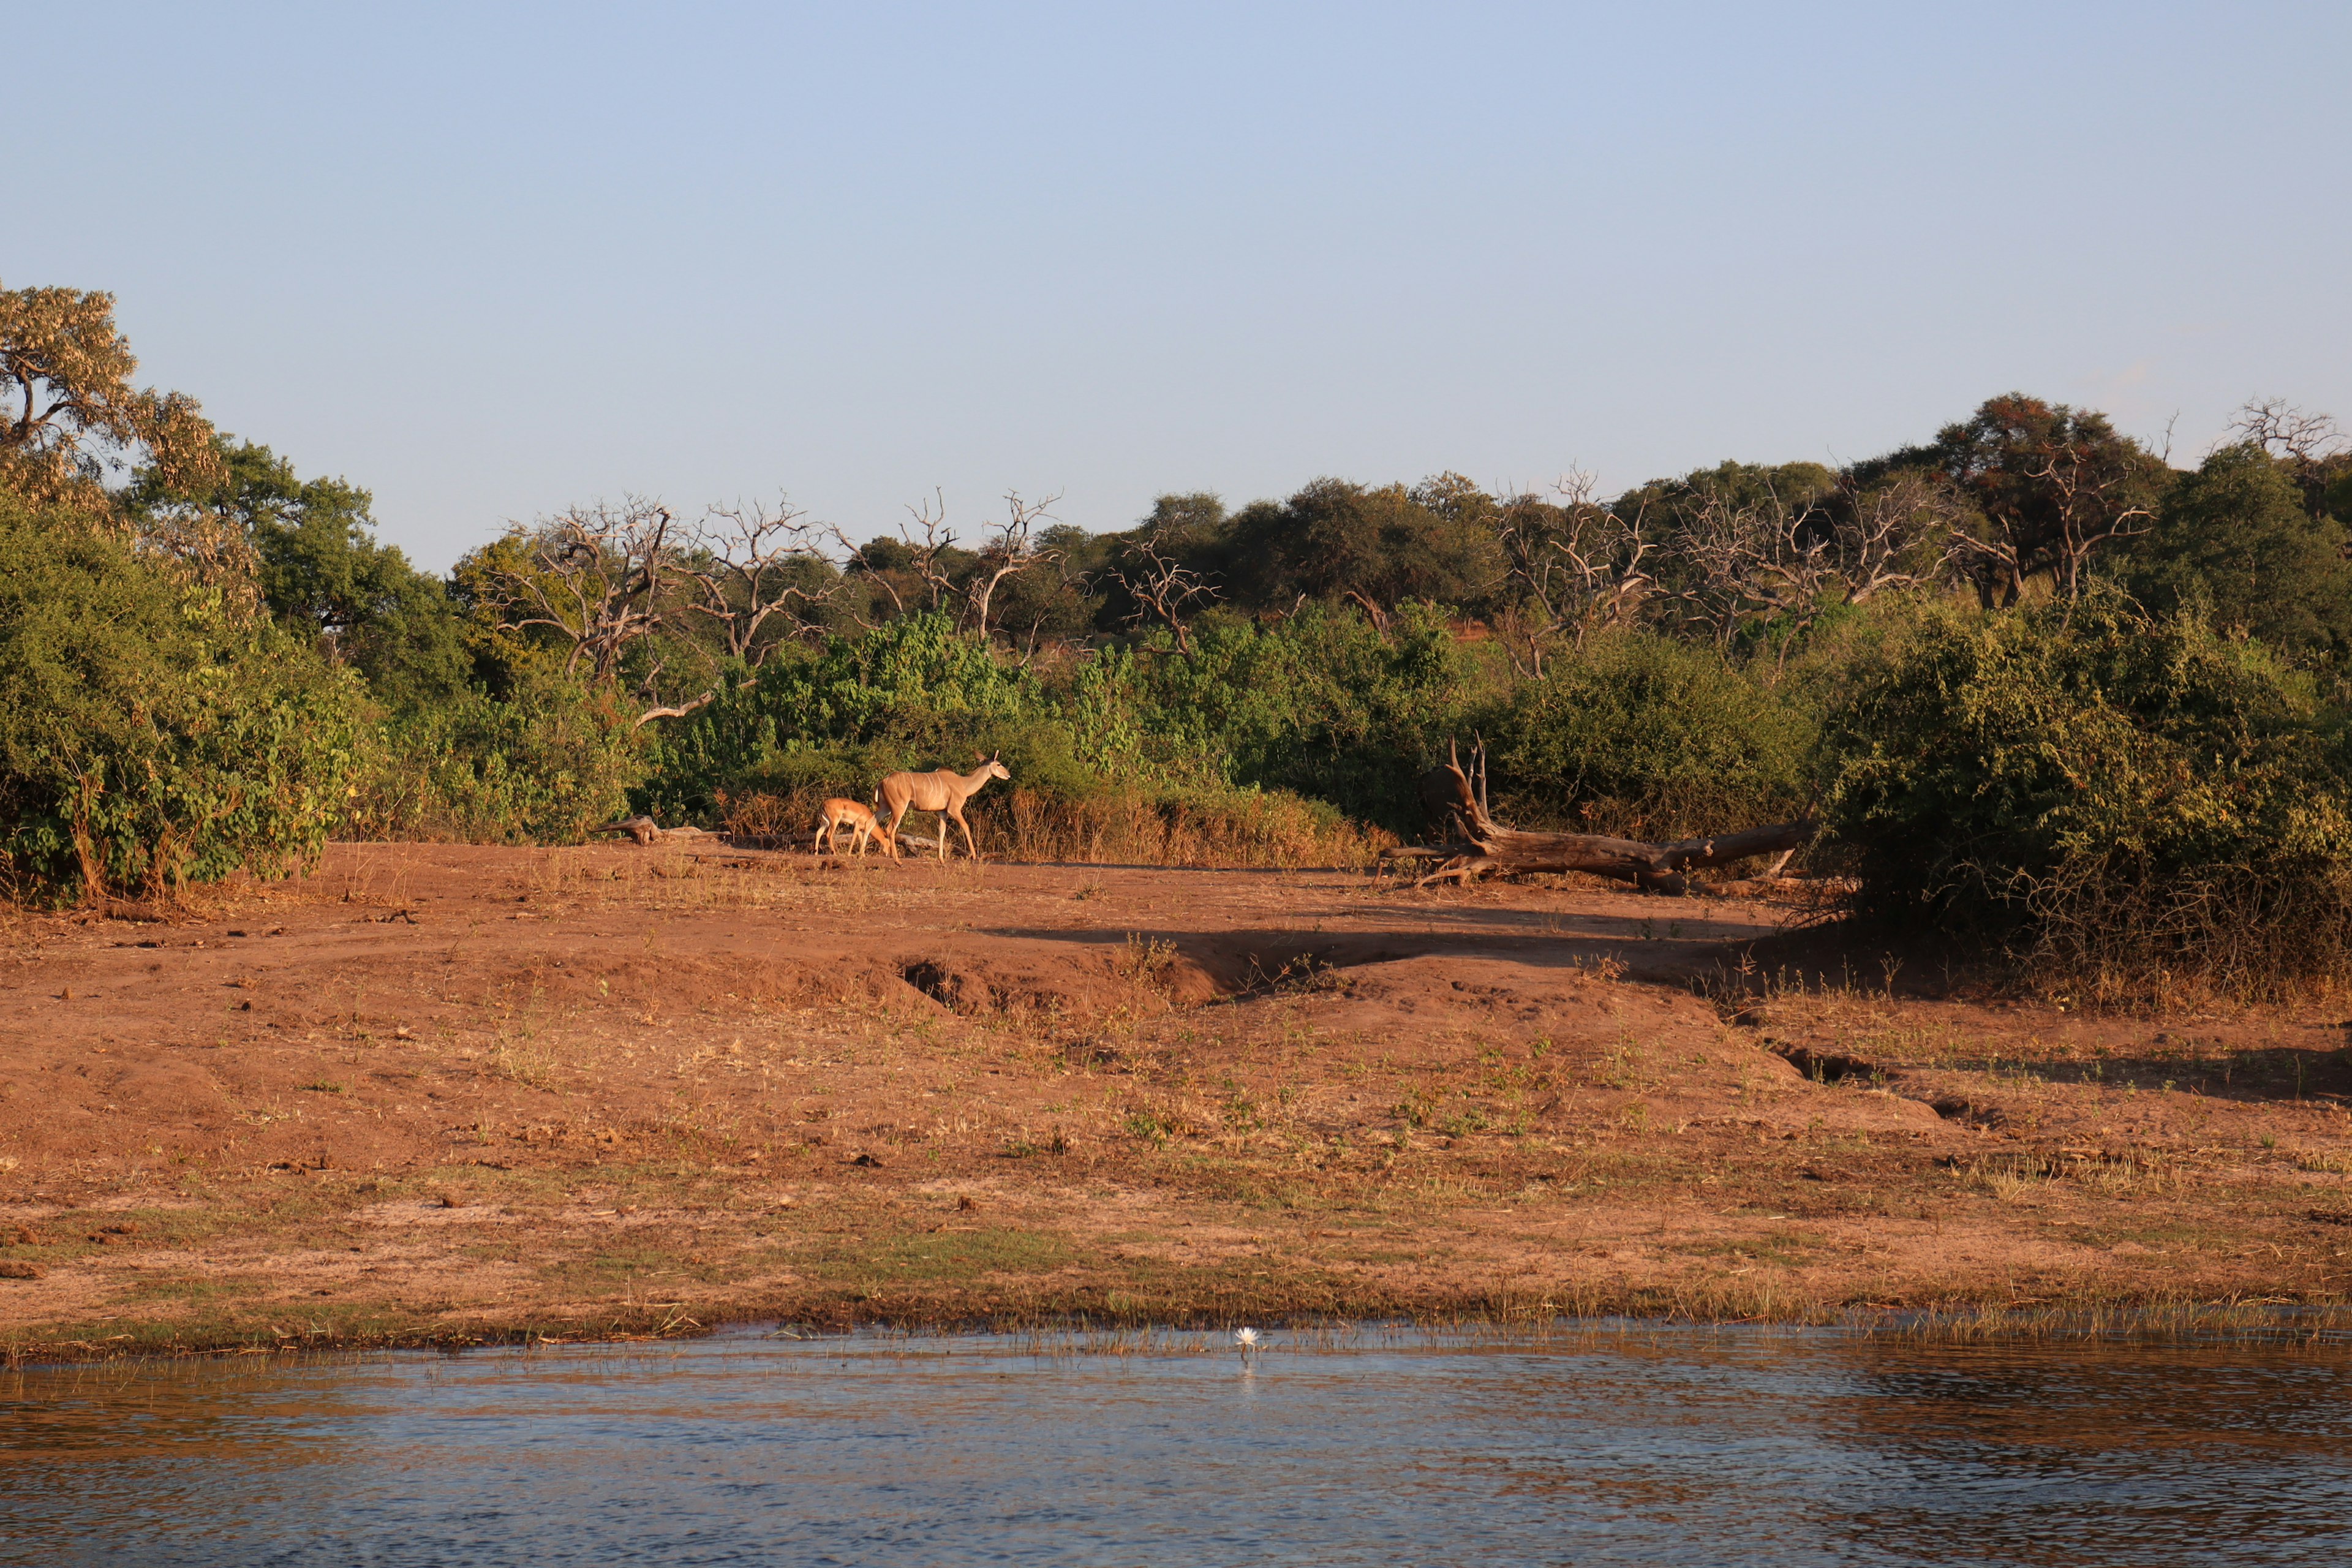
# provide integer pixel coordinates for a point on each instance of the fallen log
(647, 832)
(1489, 848)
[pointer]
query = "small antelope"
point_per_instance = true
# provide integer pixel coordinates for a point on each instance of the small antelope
(943, 792)
(858, 819)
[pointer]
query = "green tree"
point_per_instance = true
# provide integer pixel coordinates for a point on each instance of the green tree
(319, 569)
(2236, 540)
(2124, 795)
(68, 414)
(1636, 733)
(1379, 547)
(1317, 703)
(2048, 489)
(149, 734)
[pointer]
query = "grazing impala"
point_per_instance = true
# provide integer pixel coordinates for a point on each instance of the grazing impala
(943, 792)
(854, 816)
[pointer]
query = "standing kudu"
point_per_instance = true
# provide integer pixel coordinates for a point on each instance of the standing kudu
(943, 792)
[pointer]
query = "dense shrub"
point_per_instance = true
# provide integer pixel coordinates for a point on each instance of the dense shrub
(1640, 735)
(149, 735)
(546, 762)
(1188, 827)
(909, 693)
(2134, 801)
(1319, 704)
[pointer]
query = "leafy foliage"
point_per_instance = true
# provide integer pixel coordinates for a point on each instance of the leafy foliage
(1319, 704)
(64, 378)
(544, 762)
(149, 736)
(2086, 784)
(1640, 735)
(911, 691)
(2236, 540)
(318, 567)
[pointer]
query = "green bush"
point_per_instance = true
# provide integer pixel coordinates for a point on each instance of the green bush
(1640, 735)
(552, 759)
(2128, 801)
(1317, 704)
(909, 693)
(149, 736)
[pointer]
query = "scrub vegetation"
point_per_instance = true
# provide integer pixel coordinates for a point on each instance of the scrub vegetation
(2050, 696)
(315, 974)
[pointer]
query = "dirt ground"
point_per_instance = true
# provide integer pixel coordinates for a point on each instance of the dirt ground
(441, 1093)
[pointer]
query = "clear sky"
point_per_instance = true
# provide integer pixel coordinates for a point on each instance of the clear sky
(489, 260)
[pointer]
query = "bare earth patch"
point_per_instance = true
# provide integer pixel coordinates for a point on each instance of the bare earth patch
(452, 1094)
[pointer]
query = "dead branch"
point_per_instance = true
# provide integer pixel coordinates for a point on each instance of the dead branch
(595, 576)
(644, 830)
(1573, 565)
(752, 567)
(1010, 551)
(1491, 849)
(2301, 436)
(681, 709)
(928, 557)
(1161, 586)
(1372, 613)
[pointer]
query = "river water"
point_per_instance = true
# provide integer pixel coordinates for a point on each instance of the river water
(1639, 1445)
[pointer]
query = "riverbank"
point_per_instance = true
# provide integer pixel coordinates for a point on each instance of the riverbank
(441, 1094)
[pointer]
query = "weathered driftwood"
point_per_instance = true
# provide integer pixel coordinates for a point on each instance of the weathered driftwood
(1488, 848)
(645, 831)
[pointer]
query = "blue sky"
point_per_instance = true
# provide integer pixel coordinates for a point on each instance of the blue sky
(490, 261)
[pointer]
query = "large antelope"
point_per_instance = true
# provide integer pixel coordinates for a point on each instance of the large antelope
(943, 792)
(855, 816)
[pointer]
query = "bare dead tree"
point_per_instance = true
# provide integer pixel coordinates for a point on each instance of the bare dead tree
(2312, 448)
(755, 566)
(967, 580)
(2301, 436)
(1891, 536)
(1162, 587)
(596, 577)
(1574, 564)
(927, 557)
(604, 577)
(938, 539)
(1746, 562)
(2093, 509)
(1012, 549)
(1751, 564)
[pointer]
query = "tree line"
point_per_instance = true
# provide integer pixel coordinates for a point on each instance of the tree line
(210, 661)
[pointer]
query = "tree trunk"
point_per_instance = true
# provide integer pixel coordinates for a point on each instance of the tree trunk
(1659, 868)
